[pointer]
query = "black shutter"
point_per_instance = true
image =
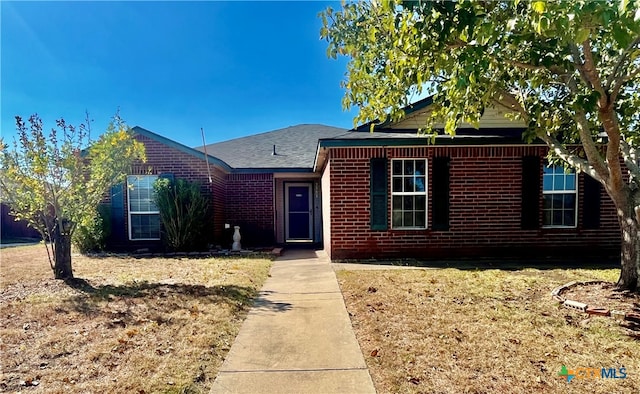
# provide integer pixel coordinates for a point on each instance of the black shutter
(118, 230)
(378, 194)
(530, 217)
(440, 193)
(591, 203)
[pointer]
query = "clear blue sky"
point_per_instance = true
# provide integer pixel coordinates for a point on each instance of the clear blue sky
(233, 68)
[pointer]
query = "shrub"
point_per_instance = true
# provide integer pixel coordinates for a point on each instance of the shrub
(91, 235)
(184, 213)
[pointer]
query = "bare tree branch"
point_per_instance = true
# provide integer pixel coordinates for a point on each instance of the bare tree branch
(575, 53)
(621, 81)
(586, 136)
(630, 157)
(554, 69)
(590, 149)
(624, 56)
(591, 72)
(563, 153)
(609, 121)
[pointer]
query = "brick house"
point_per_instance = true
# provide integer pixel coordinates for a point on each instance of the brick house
(264, 183)
(387, 194)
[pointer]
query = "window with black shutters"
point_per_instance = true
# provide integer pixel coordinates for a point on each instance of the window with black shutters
(560, 194)
(409, 193)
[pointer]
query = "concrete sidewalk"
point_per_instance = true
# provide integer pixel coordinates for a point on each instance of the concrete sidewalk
(297, 337)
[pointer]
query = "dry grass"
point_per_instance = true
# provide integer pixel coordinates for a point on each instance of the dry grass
(482, 331)
(127, 326)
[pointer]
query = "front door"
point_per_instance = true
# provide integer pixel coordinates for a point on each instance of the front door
(299, 212)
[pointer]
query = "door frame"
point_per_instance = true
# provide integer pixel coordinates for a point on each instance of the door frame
(309, 186)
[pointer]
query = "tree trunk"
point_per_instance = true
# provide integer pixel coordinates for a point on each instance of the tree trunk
(630, 254)
(62, 268)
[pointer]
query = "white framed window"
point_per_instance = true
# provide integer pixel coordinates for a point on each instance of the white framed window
(409, 193)
(560, 194)
(144, 216)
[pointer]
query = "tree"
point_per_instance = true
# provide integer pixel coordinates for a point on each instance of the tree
(55, 182)
(569, 70)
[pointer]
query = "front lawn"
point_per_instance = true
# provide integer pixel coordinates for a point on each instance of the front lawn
(483, 331)
(125, 326)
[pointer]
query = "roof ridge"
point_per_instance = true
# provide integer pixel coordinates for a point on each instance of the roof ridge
(251, 136)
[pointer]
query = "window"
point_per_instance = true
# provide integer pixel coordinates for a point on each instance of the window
(409, 193)
(144, 217)
(559, 190)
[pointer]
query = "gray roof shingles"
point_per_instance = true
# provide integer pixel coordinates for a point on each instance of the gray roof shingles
(295, 148)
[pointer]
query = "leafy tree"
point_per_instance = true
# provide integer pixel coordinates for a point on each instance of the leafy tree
(184, 212)
(568, 70)
(55, 182)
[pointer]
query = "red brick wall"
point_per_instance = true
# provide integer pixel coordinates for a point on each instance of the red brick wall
(249, 204)
(161, 159)
(485, 206)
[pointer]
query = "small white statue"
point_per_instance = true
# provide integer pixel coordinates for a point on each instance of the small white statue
(236, 239)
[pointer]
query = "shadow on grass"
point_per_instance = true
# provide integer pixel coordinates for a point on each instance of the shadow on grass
(224, 254)
(157, 299)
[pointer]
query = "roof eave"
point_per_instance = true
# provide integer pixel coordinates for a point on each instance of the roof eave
(409, 109)
(272, 170)
(392, 142)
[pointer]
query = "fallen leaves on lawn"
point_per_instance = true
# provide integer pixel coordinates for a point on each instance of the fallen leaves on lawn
(123, 327)
(481, 331)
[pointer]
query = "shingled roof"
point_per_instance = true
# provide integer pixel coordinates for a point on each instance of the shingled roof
(294, 147)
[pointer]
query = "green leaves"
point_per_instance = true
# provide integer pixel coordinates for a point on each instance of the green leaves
(539, 6)
(623, 4)
(622, 36)
(567, 69)
(63, 175)
(582, 35)
(470, 51)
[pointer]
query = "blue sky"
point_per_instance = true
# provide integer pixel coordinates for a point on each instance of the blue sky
(233, 68)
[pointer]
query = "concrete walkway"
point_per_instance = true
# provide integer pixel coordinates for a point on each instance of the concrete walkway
(297, 337)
